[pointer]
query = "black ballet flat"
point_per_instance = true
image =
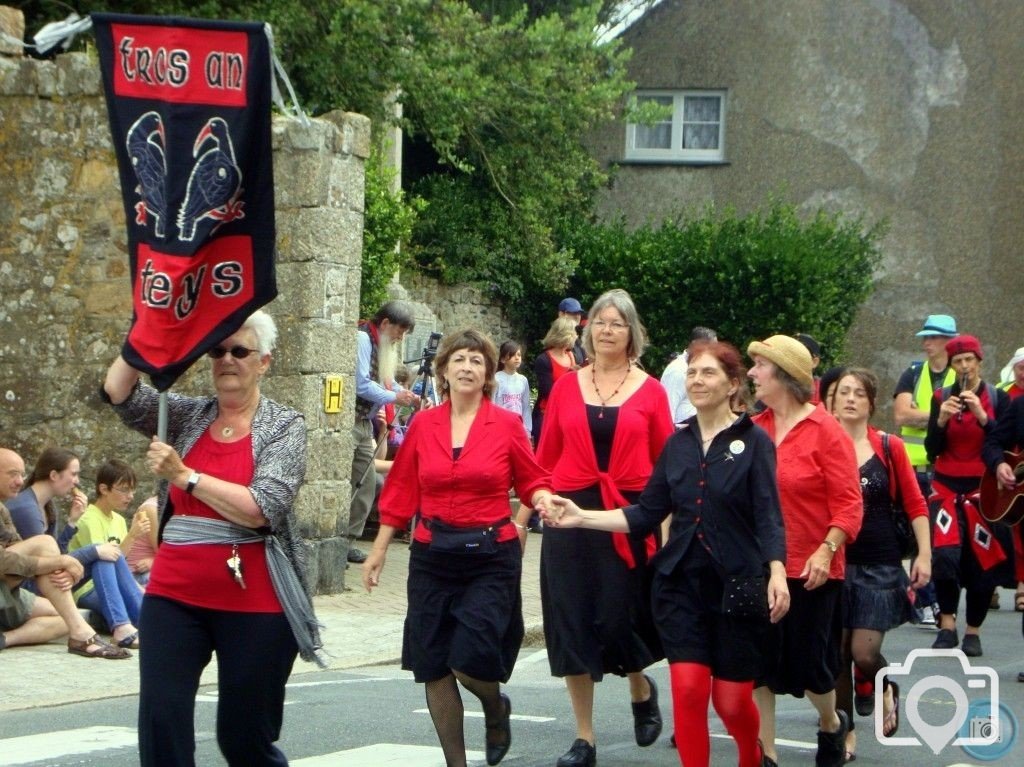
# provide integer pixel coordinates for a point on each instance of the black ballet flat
(496, 752)
(647, 717)
(580, 754)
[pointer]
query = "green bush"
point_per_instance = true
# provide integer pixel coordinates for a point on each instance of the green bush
(748, 277)
(387, 226)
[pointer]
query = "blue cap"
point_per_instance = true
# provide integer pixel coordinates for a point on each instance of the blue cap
(571, 306)
(938, 325)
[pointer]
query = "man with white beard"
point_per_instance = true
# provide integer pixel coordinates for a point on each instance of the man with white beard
(378, 349)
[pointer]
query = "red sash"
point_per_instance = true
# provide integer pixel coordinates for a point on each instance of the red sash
(946, 528)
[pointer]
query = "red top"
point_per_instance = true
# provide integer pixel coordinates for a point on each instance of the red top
(197, 573)
(965, 437)
(1014, 391)
(901, 474)
(643, 426)
(819, 485)
(471, 491)
(557, 371)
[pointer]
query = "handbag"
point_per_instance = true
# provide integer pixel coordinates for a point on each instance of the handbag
(448, 539)
(905, 538)
(745, 596)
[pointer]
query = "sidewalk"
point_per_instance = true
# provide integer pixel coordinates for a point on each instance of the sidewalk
(360, 629)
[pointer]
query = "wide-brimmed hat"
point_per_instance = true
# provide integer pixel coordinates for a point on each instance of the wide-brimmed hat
(788, 354)
(938, 325)
(1007, 374)
(962, 345)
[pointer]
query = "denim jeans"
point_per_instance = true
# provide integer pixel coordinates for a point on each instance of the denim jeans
(115, 595)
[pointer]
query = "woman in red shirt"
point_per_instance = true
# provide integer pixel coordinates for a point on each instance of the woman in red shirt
(606, 427)
(551, 364)
(819, 487)
(960, 418)
(465, 619)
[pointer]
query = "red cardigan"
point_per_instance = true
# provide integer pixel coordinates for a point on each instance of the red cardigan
(471, 491)
(644, 425)
(901, 474)
(819, 485)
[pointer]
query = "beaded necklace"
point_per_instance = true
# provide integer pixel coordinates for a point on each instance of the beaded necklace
(604, 401)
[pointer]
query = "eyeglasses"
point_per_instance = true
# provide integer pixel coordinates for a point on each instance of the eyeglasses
(614, 325)
(238, 352)
(126, 491)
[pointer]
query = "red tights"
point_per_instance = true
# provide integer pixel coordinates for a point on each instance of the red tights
(692, 687)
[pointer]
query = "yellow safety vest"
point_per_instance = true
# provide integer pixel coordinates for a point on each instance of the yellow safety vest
(924, 393)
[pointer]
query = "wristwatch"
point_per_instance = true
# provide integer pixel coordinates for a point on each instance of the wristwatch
(832, 545)
(193, 480)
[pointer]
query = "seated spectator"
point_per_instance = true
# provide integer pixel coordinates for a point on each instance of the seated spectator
(33, 510)
(111, 590)
(143, 548)
(25, 618)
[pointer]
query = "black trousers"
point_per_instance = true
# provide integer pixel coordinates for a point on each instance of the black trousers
(255, 653)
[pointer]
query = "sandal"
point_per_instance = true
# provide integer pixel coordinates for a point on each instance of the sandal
(103, 649)
(1018, 601)
(130, 642)
(893, 717)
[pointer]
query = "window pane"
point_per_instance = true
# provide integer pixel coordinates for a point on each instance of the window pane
(701, 109)
(700, 137)
(654, 136)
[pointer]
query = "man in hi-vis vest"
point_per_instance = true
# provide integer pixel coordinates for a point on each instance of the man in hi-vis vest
(911, 407)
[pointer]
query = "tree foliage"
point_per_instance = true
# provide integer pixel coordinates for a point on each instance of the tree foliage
(748, 277)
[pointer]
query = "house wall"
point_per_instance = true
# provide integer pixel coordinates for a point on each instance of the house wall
(902, 111)
(65, 299)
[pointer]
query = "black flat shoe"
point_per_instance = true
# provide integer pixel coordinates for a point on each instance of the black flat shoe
(647, 717)
(580, 754)
(496, 752)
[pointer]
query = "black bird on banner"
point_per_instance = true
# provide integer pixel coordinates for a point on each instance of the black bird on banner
(146, 145)
(214, 184)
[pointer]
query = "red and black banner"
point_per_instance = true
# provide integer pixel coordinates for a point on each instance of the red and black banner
(189, 107)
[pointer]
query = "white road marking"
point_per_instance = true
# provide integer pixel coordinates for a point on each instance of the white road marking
(480, 715)
(51, 746)
(778, 741)
(383, 755)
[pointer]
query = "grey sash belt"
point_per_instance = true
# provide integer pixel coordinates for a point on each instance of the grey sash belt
(185, 530)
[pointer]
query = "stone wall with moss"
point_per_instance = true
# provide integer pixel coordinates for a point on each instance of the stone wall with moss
(65, 301)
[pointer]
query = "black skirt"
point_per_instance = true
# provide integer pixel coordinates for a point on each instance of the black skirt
(875, 597)
(597, 615)
(465, 613)
(687, 608)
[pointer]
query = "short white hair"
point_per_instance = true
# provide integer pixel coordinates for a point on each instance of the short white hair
(264, 328)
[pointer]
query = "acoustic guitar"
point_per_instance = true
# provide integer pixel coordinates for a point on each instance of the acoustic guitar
(999, 504)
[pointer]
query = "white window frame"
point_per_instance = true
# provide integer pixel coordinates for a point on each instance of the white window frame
(675, 153)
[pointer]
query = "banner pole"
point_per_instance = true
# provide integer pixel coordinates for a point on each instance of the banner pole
(161, 417)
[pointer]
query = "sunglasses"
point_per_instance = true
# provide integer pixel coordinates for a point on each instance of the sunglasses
(238, 352)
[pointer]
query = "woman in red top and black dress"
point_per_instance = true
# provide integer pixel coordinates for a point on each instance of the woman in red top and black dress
(228, 577)
(961, 416)
(555, 361)
(465, 620)
(819, 487)
(606, 427)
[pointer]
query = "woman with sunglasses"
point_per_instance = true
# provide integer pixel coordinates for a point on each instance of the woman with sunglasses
(228, 577)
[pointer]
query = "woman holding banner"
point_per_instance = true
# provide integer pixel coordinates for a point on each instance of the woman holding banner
(229, 576)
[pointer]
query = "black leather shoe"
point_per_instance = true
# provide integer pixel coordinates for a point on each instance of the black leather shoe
(647, 717)
(356, 557)
(497, 751)
(581, 754)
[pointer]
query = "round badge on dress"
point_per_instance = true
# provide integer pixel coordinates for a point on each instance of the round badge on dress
(736, 447)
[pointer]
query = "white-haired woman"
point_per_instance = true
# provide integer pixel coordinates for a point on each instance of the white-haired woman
(228, 577)
(606, 426)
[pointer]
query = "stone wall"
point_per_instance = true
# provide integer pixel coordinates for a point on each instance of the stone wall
(65, 293)
(458, 306)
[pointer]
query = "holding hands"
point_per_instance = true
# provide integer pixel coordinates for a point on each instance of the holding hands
(561, 512)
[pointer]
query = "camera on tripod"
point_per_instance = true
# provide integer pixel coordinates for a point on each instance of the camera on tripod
(430, 350)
